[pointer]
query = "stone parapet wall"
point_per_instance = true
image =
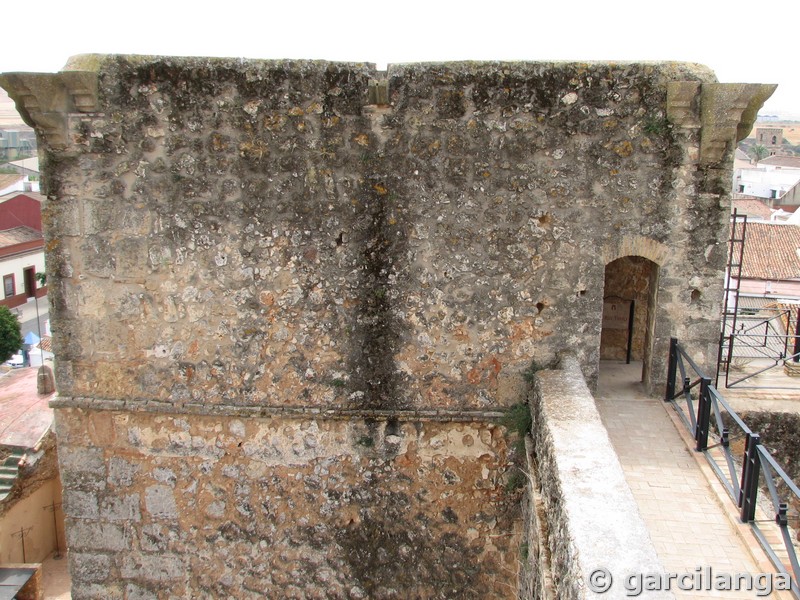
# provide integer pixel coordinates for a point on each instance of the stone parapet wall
(592, 520)
(536, 571)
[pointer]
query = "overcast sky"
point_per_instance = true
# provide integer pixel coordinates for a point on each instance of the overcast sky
(752, 42)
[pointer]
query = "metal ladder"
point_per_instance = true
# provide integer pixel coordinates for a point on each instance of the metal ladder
(733, 278)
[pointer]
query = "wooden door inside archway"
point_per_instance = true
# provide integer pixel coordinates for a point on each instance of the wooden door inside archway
(629, 280)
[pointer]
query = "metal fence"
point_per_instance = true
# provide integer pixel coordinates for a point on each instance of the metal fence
(755, 343)
(720, 434)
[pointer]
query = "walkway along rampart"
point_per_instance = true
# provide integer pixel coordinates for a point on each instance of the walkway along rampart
(290, 298)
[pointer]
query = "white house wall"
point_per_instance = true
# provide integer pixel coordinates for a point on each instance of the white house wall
(761, 182)
(25, 185)
(15, 266)
(770, 288)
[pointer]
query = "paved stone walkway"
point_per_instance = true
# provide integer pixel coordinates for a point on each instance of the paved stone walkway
(691, 523)
(25, 416)
(55, 578)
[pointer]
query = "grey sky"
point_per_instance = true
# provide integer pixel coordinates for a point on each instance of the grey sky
(742, 41)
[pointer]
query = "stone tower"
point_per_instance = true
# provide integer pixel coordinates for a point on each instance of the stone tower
(290, 300)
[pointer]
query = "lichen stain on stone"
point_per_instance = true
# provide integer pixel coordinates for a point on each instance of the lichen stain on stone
(380, 241)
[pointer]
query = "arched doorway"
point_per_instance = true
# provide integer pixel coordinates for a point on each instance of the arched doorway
(629, 301)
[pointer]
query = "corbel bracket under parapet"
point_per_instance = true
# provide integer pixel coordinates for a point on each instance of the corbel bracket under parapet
(724, 112)
(45, 100)
(682, 104)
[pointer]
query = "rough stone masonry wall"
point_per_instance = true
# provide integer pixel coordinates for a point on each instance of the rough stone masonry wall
(285, 315)
(201, 506)
(252, 233)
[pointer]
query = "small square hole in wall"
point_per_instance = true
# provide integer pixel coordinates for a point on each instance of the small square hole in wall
(378, 92)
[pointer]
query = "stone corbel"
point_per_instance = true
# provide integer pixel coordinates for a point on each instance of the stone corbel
(682, 104)
(82, 88)
(728, 111)
(724, 112)
(45, 101)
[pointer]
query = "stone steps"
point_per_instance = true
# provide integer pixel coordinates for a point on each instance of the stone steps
(792, 369)
(9, 470)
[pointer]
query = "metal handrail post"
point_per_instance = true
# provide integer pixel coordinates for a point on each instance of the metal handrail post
(703, 415)
(672, 368)
(796, 337)
(750, 473)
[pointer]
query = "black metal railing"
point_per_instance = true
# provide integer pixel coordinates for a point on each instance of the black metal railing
(763, 337)
(770, 339)
(718, 431)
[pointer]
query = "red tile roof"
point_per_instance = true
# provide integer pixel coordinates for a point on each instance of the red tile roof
(18, 235)
(35, 195)
(46, 343)
(781, 161)
(751, 207)
(771, 251)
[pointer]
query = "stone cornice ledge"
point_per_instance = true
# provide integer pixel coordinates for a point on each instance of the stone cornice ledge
(46, 100)
(294, 412)
(724, 112)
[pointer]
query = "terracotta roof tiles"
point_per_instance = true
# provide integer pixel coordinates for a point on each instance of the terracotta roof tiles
(771, 251)
(752, 207)
(18, 235)
(35, 195)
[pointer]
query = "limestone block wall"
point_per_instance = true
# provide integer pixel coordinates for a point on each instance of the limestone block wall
(290, 297)
(187, 506)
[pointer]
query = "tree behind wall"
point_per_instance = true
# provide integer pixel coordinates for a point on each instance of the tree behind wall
(10, 335)
(758, 152)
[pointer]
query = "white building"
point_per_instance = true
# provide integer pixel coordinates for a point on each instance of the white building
(21, 257)
(767, 181)
(17, 183)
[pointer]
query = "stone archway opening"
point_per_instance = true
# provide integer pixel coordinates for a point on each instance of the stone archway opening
(629, 301)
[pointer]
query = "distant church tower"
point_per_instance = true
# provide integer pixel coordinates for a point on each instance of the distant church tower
(771, 138)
